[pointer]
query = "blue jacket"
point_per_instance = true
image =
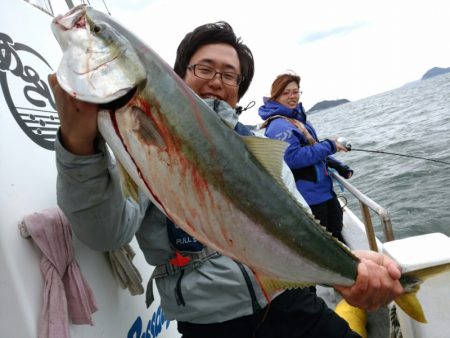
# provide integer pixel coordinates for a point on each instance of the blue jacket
(307, 162)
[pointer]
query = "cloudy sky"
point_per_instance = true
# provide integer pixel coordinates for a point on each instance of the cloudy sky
(342, 49)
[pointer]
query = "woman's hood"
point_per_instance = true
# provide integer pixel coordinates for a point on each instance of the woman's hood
(271, 108)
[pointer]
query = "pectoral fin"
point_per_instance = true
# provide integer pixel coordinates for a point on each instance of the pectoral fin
(129, 188)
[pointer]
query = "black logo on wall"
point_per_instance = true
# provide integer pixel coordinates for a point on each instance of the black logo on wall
(32, 106)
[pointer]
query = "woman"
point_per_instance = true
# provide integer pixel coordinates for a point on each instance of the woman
(308, 158)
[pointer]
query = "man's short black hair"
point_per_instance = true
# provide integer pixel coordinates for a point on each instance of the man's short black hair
(218, 32)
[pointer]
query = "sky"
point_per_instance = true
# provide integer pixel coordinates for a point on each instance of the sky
(347, 49)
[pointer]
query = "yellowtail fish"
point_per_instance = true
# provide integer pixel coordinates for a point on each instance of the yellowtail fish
(221, 188)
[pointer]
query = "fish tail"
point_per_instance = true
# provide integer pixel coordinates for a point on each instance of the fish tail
(409, 303)
(411, 282)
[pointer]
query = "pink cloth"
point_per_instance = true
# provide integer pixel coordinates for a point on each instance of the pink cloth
(66, 292)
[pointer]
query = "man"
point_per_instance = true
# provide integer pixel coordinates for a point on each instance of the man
(219, 297)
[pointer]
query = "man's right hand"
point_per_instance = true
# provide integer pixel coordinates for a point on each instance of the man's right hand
(377, 283)
(78, 120)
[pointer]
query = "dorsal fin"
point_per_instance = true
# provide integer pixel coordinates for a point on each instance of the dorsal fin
(269, 152)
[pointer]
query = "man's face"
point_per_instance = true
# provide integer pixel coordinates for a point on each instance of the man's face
(222, 58)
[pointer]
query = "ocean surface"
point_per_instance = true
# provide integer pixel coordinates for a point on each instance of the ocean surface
(411, 120)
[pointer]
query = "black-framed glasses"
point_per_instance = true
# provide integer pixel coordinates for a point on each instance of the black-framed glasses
(208, 73)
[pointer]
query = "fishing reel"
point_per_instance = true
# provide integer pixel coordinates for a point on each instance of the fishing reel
(344, 142)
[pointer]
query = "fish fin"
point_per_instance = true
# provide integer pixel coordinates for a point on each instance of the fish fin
(428, 272)
(273, 286)
(354, 316)
(411, 282)
(409, 303)
(129, 187)
(269, 152)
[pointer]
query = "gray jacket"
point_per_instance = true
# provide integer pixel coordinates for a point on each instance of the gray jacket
(89, 193)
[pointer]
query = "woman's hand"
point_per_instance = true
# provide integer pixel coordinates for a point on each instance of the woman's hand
(78, 120)
(340, 147)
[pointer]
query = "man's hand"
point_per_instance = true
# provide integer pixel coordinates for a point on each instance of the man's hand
(78, 120)
(377, 283)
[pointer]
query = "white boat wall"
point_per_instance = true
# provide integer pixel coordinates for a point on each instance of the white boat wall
(28, 123)
(412, 253)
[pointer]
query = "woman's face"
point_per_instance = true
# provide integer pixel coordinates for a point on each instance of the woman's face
(290, 95)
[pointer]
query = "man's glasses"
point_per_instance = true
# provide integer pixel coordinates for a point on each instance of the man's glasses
(208, 73)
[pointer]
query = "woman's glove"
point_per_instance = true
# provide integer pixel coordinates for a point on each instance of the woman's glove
(342, 169)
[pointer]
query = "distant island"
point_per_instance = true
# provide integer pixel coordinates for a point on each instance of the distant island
(434, 72)
(326, 104)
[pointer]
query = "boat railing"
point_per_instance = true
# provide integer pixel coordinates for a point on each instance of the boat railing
(365, 204)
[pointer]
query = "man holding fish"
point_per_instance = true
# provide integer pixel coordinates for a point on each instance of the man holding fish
(207, 292)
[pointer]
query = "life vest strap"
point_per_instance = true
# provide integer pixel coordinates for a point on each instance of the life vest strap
(167, 269)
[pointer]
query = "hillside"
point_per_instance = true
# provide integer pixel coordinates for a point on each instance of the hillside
(326, 104)
(434, 72)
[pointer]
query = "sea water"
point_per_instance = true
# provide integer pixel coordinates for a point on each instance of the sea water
(411, 120)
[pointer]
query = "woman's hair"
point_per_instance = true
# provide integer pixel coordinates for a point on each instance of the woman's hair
(280, 83)
(219, 32)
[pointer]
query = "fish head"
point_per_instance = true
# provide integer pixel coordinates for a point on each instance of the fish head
(98, 64)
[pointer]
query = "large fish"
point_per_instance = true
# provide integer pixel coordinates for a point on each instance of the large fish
(223, 189)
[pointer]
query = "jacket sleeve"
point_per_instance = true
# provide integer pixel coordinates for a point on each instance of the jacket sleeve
(342, 169)
(89, 193)
(299, 154)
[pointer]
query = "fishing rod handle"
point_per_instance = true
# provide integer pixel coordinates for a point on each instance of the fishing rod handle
(344, 142)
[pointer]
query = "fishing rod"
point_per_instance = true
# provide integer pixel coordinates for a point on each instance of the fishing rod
(343, 142)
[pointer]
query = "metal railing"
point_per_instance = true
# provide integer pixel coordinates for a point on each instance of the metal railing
(365, 204)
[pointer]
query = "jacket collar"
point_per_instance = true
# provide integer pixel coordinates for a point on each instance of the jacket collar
(270, 108)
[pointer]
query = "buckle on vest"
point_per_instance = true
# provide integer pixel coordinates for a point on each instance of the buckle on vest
(179, 260)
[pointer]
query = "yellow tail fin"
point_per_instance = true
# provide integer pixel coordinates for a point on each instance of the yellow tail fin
(411, 281)
(409, 303)
(354, 316)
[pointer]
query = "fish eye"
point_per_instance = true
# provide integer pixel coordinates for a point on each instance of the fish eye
(97, 28)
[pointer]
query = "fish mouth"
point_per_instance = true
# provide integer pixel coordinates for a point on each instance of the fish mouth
(74, 18)
(61, 24)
